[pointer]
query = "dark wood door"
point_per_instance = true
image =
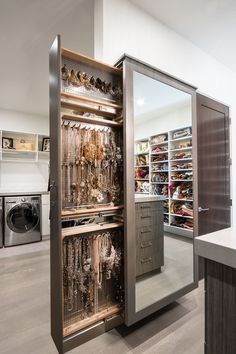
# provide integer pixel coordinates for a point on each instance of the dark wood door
(213, 167)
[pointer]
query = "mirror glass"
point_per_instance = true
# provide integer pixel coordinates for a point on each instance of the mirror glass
(163, 190)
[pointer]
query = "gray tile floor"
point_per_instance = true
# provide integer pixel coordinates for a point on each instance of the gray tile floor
(25, 311)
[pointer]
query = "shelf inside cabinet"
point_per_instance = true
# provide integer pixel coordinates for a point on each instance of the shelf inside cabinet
(184, 169)
(108, 312)
(158, 152)
(91, 62)
(159, 182)
(91, 120)
(182, 216)
(155, 162)
(181, 200)
(181, 180)
(161, 143)
(78, 230)
(142, 153)
(185, 159)
(181, 149)
(182, 138)
(85, 104)
(87, 211)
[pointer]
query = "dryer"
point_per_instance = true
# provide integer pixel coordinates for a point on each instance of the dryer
(22, 220)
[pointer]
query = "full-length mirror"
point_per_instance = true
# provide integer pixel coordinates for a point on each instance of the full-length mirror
(163, 189)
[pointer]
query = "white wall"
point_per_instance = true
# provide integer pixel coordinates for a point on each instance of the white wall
(163, 122)
(127, 29)
(20, 177)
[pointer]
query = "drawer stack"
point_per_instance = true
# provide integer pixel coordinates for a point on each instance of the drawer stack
(149, 236)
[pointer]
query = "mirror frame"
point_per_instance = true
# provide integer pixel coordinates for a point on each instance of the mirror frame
(130, 65)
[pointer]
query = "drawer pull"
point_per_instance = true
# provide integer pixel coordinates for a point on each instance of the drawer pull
(145, 217)
(146, 260)
(146, 232)
(145, 207)
(147, 244)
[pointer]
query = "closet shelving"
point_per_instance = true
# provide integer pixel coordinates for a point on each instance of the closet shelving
(22, 147)
(171, 174)
(87, 190)
(142, 166)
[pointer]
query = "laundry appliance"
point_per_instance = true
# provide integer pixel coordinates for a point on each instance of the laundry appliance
(22, 220)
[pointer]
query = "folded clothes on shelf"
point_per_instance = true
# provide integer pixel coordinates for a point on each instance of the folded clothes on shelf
(166, 206)
(159, 189)
(159, 149)
(181, 166)
(182, 133)
(160, 177)
(142, 147)
(181, 208)
(182, 222)
(141, 187)
(182, 176)
(181, 190)
(158, 139)
(160, 167)
(142, 172)
(181, 145)
(182, 155)
(142, 160)
(161, 157)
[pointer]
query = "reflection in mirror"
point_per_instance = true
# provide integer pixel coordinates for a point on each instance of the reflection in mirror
(163, 190)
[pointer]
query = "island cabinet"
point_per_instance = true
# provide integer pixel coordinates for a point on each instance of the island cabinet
(219, 252)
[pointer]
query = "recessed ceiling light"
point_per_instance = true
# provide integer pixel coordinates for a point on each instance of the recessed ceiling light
(140, 102)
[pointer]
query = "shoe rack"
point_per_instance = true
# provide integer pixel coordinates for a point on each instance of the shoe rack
(163, 166)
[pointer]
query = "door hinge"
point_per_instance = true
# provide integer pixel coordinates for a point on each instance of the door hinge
(230, 161)
(230, 202)
(230, 120)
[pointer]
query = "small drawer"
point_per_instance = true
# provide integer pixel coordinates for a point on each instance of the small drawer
(148, 218)
(149, 257)
(139, 207)
(145, 233)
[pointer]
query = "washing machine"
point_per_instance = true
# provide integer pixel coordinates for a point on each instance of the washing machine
(22, 220)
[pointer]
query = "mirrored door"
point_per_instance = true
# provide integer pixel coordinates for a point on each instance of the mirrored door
(161, 189)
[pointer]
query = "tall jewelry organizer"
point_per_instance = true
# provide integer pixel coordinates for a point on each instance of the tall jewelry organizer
(94, 219)
(86, 184)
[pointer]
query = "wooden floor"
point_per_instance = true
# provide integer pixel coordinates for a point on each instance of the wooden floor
(24, 314)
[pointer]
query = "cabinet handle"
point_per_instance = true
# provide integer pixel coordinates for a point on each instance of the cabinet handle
(147, 244)
(145, 207)
(146, 260)
(146, 232)
(145, 217)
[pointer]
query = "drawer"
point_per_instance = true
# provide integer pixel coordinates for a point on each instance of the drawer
(148, 218)
(149, 258)
(139, 207)
(148, 233)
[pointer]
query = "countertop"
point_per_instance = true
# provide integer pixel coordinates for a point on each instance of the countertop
(219, 246)
(139, 198)
(12, 194)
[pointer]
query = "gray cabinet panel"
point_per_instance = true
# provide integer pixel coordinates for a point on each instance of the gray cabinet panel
(149, 237)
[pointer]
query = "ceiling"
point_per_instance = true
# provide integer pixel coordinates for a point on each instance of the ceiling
(209, 24)
(27, 30)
